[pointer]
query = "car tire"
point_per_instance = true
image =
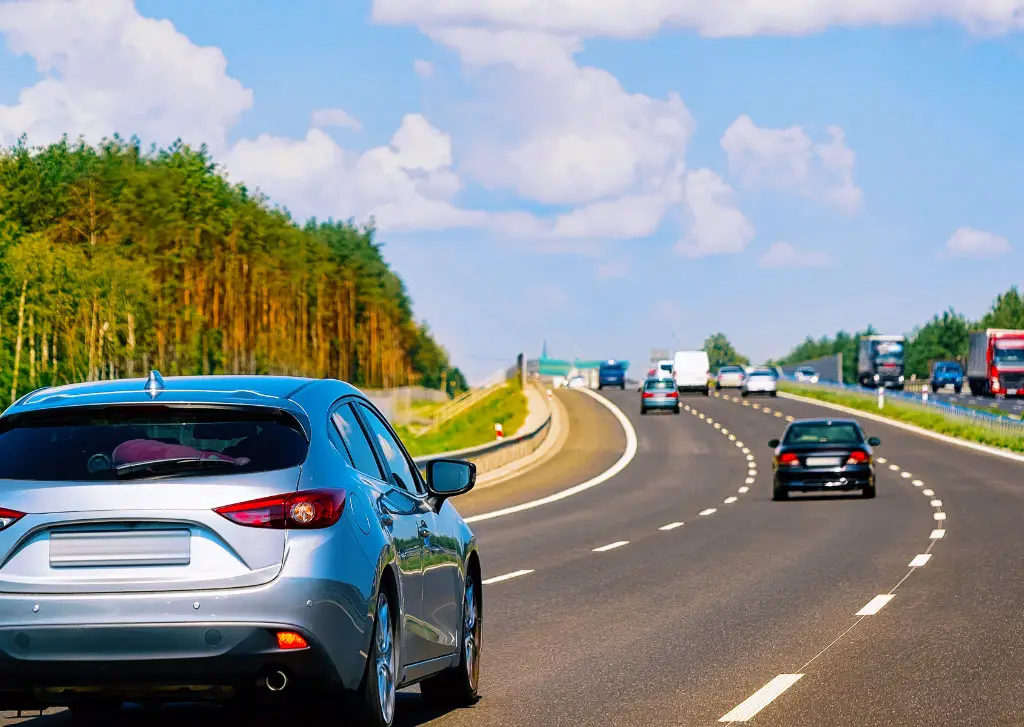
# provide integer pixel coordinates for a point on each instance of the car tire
(676, 410)
(957, 390)
(779, 493)
(868, 492)
(622, 387)
(773, 393)
(643, 410)
(744, 394)
(459, 685)
(707, 392)
(375, 701)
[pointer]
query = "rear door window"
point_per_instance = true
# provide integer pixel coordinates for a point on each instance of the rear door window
(398, 461)
(360, 451)
(134, 442)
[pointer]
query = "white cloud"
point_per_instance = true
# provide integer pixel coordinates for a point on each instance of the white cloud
(785, 255)
(556, 132)
(107, 69)
(407, 184)
(717, 226)
(968, 242)
(326, 118)
(715, 18)
(788, 159)
(424, 69)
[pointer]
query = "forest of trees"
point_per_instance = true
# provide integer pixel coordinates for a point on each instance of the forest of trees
(944, 337)
(115, 260)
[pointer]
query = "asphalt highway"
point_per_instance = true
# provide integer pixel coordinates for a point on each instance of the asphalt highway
(675, 591)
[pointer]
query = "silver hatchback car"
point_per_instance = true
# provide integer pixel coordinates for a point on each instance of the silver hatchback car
(203, 538)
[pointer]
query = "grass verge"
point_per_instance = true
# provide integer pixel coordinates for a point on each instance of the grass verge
(473, 427)
(916, 415)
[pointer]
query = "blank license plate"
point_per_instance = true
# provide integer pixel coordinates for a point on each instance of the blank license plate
(120, 548)
(824, 461)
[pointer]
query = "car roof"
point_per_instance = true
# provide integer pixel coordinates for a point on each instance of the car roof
(825, 421)
(289, 393)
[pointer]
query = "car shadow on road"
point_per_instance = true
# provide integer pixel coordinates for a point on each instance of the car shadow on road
(837, 496)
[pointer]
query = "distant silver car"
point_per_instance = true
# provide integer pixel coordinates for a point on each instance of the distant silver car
(760, 381)
(806, 374)
(203, 538)
(730, 377)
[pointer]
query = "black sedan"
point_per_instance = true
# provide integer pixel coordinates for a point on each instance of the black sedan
(823, 455)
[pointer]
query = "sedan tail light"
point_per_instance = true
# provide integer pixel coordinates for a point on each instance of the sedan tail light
(9, 517)
(673, 395)
(788, 458)
(648, 395)
(307, 510)
(858, 457)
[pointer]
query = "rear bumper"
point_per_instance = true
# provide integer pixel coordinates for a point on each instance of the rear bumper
(660, 404)
(847, 478)
(147, 642)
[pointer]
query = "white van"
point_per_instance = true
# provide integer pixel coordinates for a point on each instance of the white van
(692, 371)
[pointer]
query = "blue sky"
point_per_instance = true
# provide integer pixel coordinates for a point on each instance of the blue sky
(879, 165)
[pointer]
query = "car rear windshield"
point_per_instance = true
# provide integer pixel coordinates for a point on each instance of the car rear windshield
(824, 433)
(762, 372)
(666, 384)
(137, 442)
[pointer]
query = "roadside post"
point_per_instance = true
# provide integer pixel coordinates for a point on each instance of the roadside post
(881, 397)
(499, 433)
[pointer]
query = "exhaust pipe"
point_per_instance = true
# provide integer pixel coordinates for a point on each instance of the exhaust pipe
(275, 681)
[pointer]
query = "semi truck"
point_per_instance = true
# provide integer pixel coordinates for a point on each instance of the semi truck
(995, 362)
(880, 361)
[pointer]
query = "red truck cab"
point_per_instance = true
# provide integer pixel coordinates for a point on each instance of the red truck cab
(995, 363)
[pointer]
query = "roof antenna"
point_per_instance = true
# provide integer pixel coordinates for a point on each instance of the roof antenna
(155, 383)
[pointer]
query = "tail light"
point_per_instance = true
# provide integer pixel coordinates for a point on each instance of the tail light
(648, 395)
(858, 457)
(9, 517)
(290, 641)
(307, 510)
(673, 395)
(788, 458)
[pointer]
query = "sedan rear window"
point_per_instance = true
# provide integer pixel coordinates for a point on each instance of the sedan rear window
(824, 433)
(138, 442)
(666, 384)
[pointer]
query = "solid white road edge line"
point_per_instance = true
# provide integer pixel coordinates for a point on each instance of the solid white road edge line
(506, 577)
(994, 451)
(920, 559)
(623, 461)
(745, 710)
(611, 546)
(671, 526)
(874, 605)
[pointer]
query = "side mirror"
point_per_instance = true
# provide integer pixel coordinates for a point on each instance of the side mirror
(450, 477)
(874, 441)
(773, 443)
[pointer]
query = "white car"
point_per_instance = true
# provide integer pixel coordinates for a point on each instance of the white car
(806, 374)
(730, 377)
(760, 381)
(577, 382)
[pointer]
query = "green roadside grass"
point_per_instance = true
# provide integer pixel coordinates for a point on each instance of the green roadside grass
(910, 414)
(473, 427)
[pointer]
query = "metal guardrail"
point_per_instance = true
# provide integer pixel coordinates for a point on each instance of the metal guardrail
(493, 455)
(967, 415)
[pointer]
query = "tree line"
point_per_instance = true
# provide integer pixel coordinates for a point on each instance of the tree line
(943, 338)
(115, 260)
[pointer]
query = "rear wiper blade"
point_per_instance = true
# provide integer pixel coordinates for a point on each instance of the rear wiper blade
(129, 470)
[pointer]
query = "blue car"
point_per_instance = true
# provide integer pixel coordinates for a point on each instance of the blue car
(947, 373)
(611, 373)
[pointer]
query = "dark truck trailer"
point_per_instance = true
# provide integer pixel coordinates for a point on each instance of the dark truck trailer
(995, 362)
(880, 361)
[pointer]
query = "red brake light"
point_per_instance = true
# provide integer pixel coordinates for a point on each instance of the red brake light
(648, 395)
(310, 509)
(858, 457)
(788, 458)
(289, 640)
(9, 517)
(673, 394)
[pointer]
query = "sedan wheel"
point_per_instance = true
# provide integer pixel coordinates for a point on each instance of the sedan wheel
(460, 685)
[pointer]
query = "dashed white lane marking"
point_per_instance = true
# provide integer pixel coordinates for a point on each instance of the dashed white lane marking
(620, 464)
(874, 605)
(717, 425)
(928, 493)
(671, 526)
(709, 511)
(894, 468)
(750, 458)
(732, 437)
(745, 710)
(746, 451)
(790, 419)
(749, 480)
(744, 490)
(724, 430)
(611, 546)
(730, 500)
(918, 483)
(882, 460)
(506, 577)
(906, 475)
(937, 534)
(920, 559)
(939, 516)
(936, 503)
